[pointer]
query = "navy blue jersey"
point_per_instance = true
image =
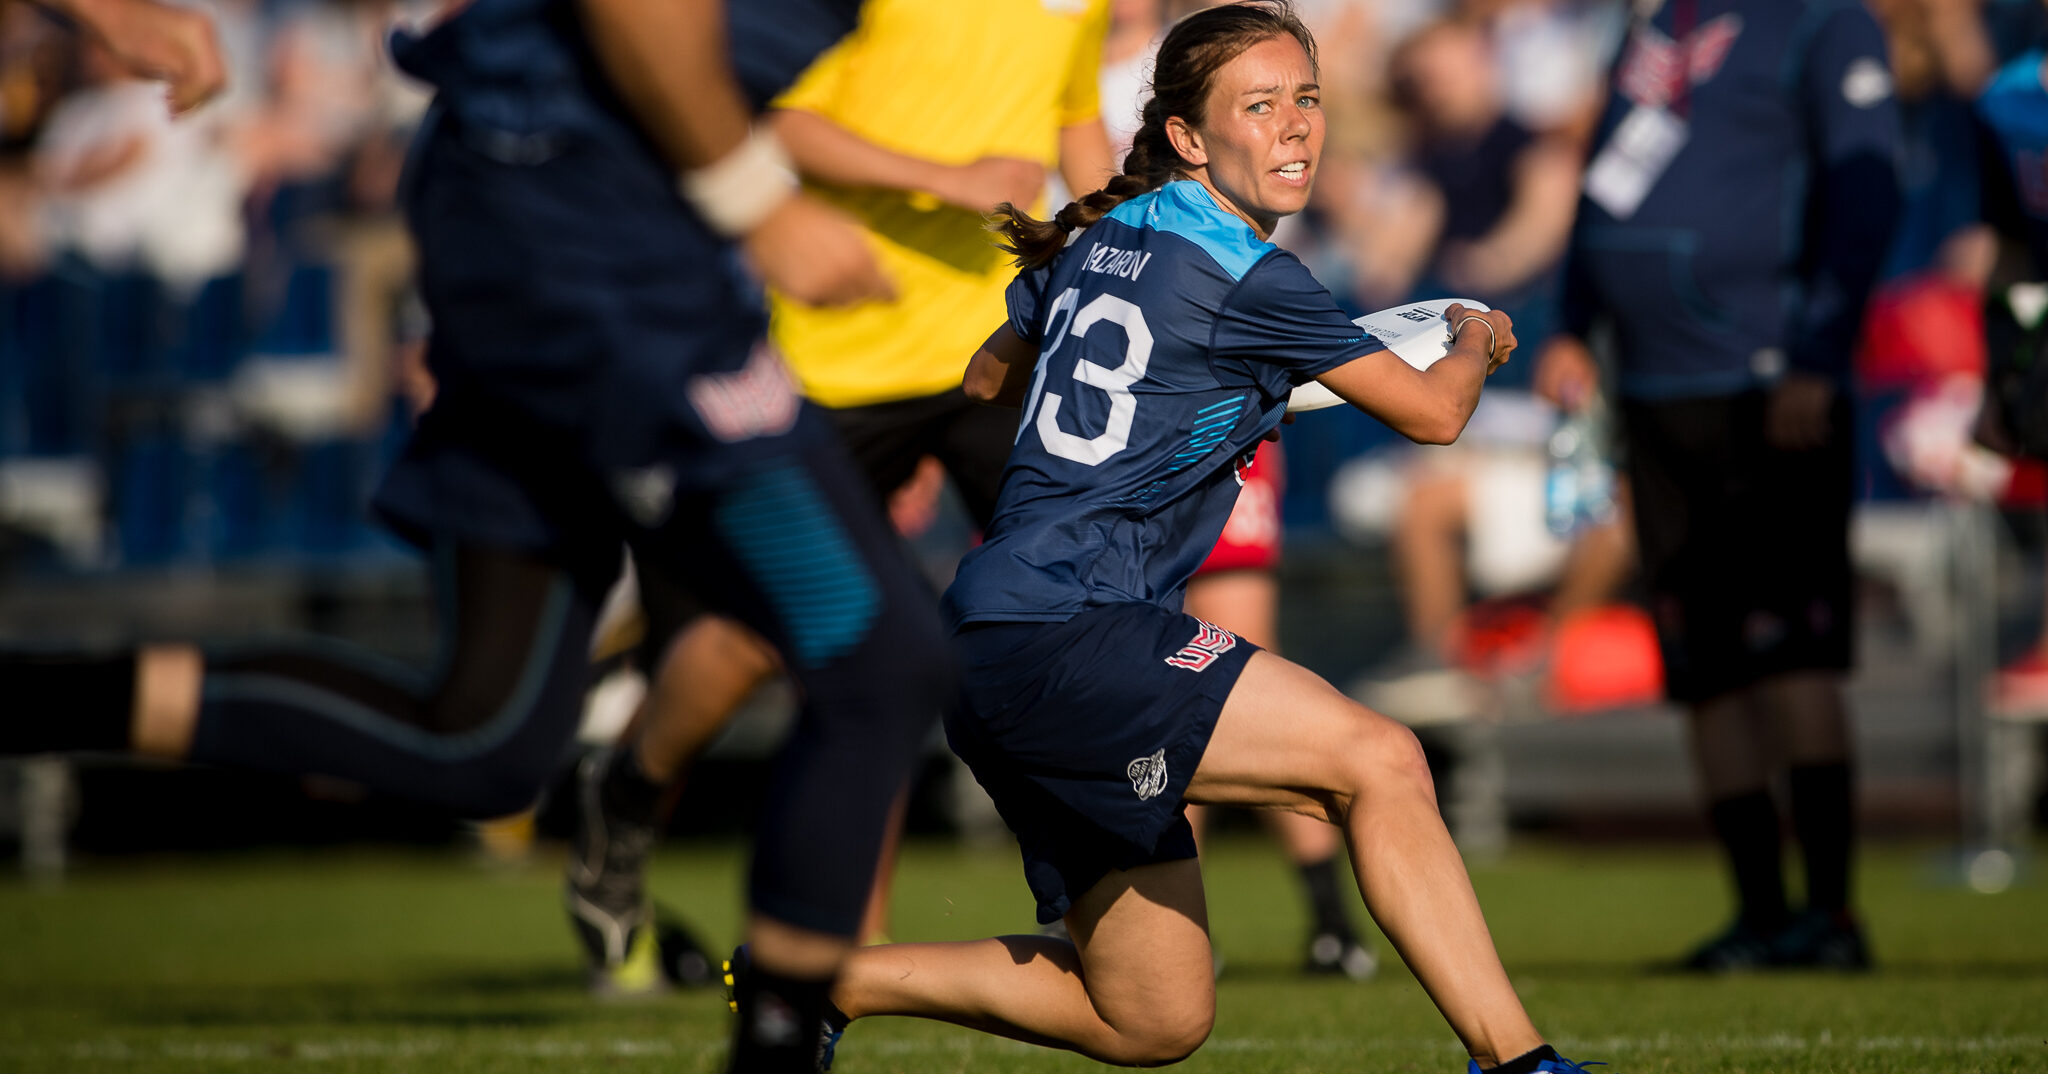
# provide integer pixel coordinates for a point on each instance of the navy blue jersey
(1753, 251)
(580, 308)
(1168, 337)
(2014, 112)
(524, 69)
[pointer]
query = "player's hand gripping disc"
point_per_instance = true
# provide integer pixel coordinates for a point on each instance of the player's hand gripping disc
(1415, 331)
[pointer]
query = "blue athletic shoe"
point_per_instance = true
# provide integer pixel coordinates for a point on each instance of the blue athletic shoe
(830, 1028)
(1556, 1065)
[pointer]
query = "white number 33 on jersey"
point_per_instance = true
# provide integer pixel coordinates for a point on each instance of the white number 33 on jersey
(1123, 406)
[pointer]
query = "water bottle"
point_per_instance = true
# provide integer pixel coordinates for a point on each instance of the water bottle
(1578, 488)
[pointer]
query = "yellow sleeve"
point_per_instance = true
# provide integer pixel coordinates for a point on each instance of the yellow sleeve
(1081, 100)
(816, 88)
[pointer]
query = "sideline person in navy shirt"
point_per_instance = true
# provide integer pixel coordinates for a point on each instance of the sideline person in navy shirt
(1739, 200)
(583, 191)
(1149, 356)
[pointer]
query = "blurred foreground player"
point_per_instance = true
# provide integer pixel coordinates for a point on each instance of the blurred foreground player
(1153, 340)
(602, 382)
(878, 126)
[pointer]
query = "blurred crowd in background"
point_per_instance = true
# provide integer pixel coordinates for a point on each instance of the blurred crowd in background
(208, 346)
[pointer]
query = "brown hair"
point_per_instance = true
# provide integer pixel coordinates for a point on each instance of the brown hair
(1194, 50)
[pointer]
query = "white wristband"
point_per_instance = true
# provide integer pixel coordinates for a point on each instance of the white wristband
(738, 190)
(1492, 340)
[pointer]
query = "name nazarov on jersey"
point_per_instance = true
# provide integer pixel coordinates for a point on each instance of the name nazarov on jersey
(1108, 259)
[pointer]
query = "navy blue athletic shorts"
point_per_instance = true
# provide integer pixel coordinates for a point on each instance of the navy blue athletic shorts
(1086, 732)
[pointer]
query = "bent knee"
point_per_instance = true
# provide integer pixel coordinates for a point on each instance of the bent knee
(1165, 1039)
(1382, 754)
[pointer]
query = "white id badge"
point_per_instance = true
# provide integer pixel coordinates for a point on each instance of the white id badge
(1642, 147)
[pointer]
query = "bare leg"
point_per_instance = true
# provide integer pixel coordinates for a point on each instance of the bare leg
(166, 700)
(1428, 548)
(790, 951)
(1306, 839)
(708, 672)
(1287, 738)
(874, 923)
(1135, 987)
(1599, 561)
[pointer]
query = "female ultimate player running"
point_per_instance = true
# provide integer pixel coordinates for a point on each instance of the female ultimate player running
(1150, 356)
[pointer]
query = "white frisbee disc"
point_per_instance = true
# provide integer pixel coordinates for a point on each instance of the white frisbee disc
(1415, 331)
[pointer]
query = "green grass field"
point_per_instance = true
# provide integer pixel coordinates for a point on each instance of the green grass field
(381, 961)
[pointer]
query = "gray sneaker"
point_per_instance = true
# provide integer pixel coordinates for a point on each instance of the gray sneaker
(605, 893)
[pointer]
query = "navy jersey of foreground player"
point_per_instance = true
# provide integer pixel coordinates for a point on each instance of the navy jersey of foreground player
(525, 69)
(1169, 335)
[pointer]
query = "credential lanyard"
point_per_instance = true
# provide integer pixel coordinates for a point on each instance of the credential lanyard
(1684, 14)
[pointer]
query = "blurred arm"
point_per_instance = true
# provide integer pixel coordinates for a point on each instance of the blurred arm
(1000, 372)
(668, 62)
(829, 153)
(158, 41)
(1086, 164)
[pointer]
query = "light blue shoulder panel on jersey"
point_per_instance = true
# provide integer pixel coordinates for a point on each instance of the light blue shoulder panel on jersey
(1185, 209)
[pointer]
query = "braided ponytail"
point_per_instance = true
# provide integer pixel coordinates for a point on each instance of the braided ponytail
(1194, 50)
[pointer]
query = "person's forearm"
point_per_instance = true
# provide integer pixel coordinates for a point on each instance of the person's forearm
(1086, 163)
(1001, 370)
(826, 152)
(668, 61)
(1956, 30)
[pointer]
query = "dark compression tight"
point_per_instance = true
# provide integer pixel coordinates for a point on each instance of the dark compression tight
(790, 546)
(479, 736)
(795, 549)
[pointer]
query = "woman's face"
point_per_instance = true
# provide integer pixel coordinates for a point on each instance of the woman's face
(1262, 134)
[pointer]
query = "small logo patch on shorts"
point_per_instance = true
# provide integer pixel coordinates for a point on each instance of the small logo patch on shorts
(756, 400)
(1148, 774)
(1210, 642)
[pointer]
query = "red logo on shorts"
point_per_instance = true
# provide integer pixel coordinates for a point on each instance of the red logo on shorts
(1212, 642)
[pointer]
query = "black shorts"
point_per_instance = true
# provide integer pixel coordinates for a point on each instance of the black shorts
(971, 440)
(1745, 547)
(1085, 733)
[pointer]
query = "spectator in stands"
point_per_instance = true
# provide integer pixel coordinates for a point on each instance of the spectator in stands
(1499, 201)
(1737, 205)
(159, 41)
